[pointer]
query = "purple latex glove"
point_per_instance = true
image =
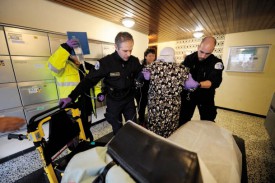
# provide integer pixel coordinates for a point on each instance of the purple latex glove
(146, 74)
(64, 102)
(100, 97)
(190, 83)
(73, 43)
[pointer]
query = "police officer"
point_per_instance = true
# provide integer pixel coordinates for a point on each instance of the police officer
(68, 72)
(206, 75)
(118, 72)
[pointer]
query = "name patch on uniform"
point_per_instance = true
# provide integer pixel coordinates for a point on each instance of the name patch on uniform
(97, 65)
(219, 66)
(114, 74)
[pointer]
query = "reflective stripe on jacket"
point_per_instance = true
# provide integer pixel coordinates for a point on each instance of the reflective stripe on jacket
(64, 71)
(67, 75)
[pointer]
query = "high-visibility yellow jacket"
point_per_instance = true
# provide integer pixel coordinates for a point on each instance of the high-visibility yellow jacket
(67, 75)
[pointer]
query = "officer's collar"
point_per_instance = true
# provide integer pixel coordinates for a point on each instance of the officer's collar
(117, 57)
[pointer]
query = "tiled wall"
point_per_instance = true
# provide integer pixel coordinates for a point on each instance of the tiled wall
(187, 46)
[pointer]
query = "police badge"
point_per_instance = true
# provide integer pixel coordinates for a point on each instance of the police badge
(218, 65)
(97, 65)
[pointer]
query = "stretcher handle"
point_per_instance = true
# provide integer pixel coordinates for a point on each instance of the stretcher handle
(17, 136)
(33, 123)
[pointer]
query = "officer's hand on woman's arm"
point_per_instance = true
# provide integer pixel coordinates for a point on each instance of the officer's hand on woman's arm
(190, 83)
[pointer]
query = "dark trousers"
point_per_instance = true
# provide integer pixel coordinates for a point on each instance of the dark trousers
(115, 109)
(204, 102)
(86, 126)
(142, 101)
(85, 106)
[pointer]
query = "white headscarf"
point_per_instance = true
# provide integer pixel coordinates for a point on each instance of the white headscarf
(167, 54)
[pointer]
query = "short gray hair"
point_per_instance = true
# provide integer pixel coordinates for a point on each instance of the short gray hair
(123, 37)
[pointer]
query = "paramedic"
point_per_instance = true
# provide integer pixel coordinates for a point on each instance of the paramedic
(206, 70)
(118, 71)
(68, 72)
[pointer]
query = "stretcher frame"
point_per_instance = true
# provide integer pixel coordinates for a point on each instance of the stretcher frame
(35, 133)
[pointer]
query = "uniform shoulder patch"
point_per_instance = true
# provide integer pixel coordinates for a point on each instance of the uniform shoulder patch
(219, 65)
(97, 65)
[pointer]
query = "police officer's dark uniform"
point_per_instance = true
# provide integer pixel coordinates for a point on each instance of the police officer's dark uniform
(209, 69)
(142, 97)
(119, 84)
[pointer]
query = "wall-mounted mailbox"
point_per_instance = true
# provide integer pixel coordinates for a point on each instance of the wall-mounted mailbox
(56, 41)
(3, 43)
(37, 92)
(9, 96)
(26, 42)
(95, 50)
(31, 68)
(107, 49)
(6, 71)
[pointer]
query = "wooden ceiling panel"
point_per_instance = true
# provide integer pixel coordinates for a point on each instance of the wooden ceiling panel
(221, 11)
(170, 20)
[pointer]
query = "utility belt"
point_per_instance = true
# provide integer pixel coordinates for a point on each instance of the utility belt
(119, 94)
(200, 93)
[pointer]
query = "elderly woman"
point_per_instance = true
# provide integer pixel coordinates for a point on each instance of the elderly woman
(166, 83)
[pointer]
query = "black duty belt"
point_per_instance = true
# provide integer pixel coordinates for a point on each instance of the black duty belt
(118, 94)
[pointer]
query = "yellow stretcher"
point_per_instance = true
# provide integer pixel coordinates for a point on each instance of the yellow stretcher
(65, 132)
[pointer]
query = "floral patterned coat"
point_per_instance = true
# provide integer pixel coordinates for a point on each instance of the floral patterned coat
(166, 84)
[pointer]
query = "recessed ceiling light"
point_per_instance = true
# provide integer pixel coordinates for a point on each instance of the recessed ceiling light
(198, 34)
(128, 22)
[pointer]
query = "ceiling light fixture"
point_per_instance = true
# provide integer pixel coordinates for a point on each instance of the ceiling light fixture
(128, 22)
(198, 34)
